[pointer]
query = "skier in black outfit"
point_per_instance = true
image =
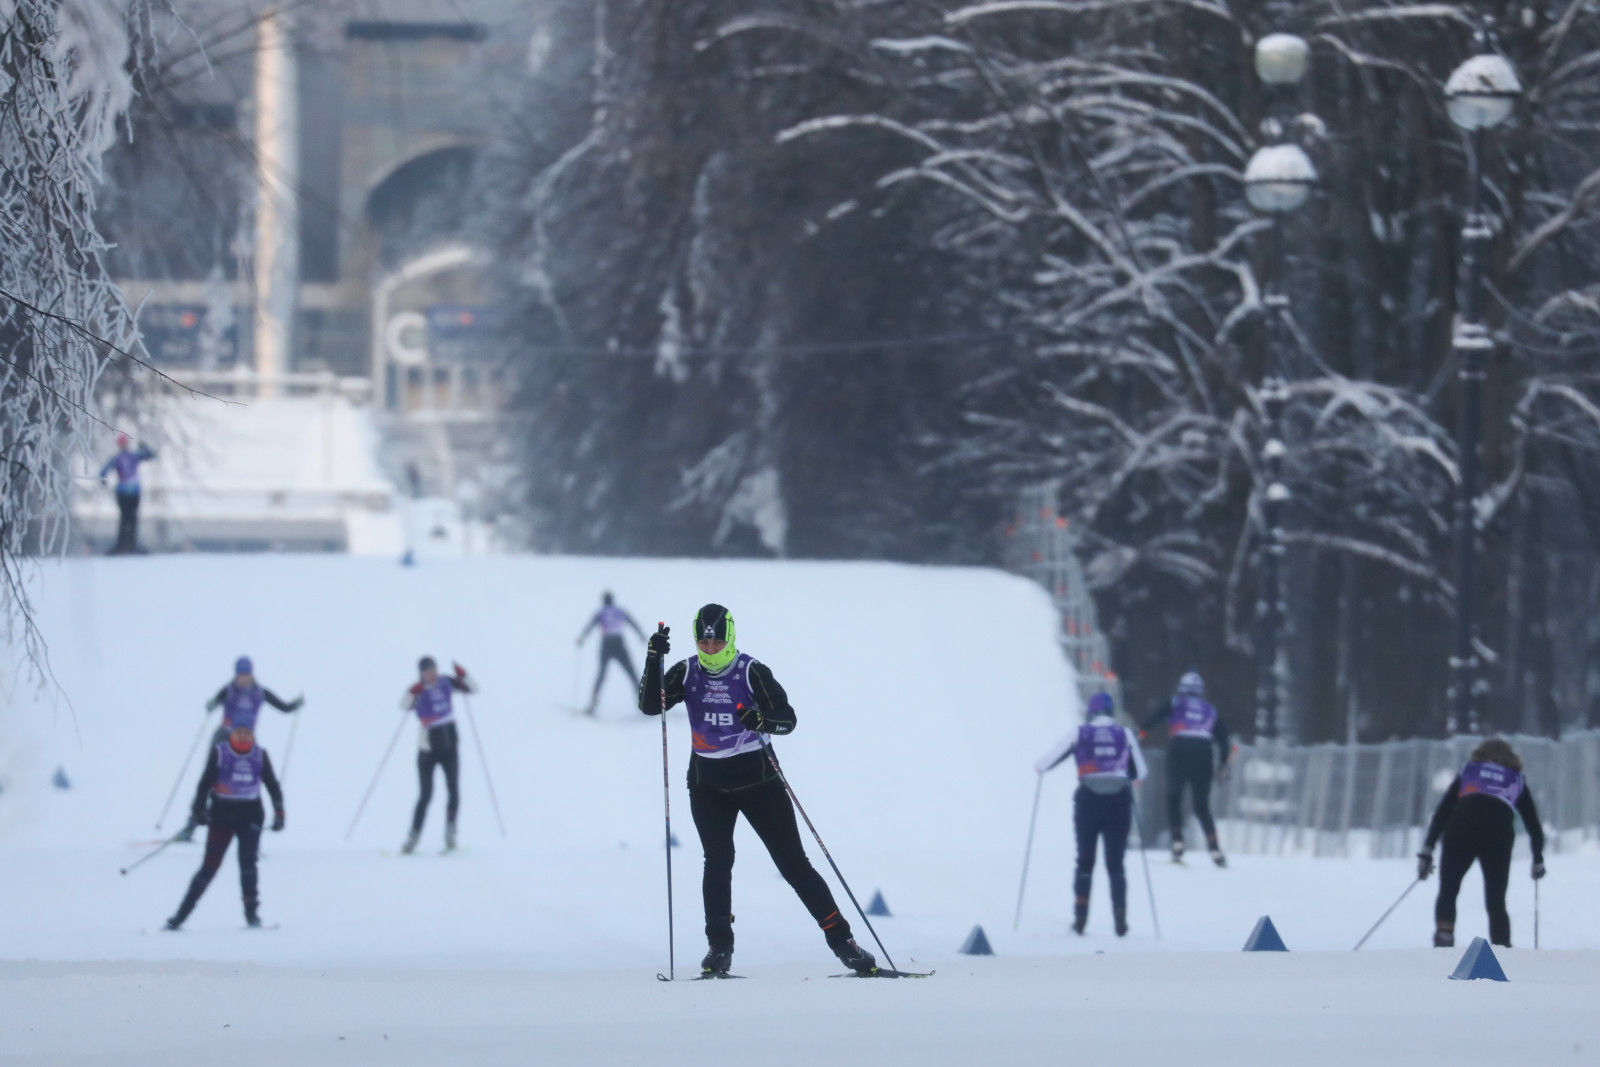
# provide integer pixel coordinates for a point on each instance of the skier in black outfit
(1193, 727)
(1474, 820)
(232, 782)
(610, 618)
(1109, 766)
(733, 701)
(437, 744)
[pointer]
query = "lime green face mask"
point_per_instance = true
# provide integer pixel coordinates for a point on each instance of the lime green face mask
(716, 661)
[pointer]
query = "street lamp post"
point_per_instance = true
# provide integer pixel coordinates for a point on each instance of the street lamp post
(1277, 180)
(1480, 95)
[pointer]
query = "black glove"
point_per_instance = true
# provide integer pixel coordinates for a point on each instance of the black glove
(1424, 864)
(296, 703)
(199, 816)
(750, 717)
(1538, 869)
(277, 819)
(659, 645)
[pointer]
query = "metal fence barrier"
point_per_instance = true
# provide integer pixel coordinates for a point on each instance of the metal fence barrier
(1375, 800)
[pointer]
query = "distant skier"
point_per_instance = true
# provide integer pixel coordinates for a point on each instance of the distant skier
(240, 701)
(1474, 820)
(1193, 727)
(610, 618)
(126, 463)
(232, 783)
(732, 701)
(1109, 766)
(432, 698)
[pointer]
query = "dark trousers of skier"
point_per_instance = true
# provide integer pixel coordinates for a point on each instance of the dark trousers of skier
(1189, 764)
(228, 820)
(611, 649)
(1481, 830)
(442, 751)
(1101, 817)
(127, 522)
(720, 791)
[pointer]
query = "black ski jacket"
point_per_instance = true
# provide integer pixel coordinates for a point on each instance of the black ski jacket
(1453, 809)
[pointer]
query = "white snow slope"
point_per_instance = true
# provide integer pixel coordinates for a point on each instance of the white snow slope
(923, 696)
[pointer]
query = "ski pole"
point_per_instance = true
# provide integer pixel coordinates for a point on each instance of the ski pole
(193, 747)
(1027, 853)
(151, 855)
(288, 746)
(1144, 860)
(836, 872)
(368, 795)
(476, 740)
(666, 804)
(1415, 882)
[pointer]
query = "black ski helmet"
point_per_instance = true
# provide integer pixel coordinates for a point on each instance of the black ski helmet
(426, 664)
(606, 598)
(713, 621)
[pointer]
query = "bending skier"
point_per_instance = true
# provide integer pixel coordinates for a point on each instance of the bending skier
(437, 744)
(1102, 807)
(1193, 727)
(240, 701)
(1474, 820)
(232, 783)
(610, 618)
(733, 701)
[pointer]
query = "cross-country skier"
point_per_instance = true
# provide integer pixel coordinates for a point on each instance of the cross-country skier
(1474, 821)
(1193, 727)
(733, 701)
(1109, 766)
(232, 783)
(437, 744)
(126, 463)
(610, 618)
(240, 701)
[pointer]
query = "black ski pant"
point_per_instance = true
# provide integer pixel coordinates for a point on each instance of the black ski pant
(1189, 763)
(765, 806)
(229, 819)
(1108, 817)
(1480, 829)
(127, 522)
(442, 751)
(612, 648)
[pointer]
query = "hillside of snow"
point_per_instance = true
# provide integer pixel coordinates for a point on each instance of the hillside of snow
(923, 695)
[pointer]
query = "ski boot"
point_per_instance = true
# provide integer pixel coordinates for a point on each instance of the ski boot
(1177, 851)
(1444, 936)
(1216, 855)
(411, 843)
(174, 923)
(449, 837)
(716, 962)
(251, 919)
(1120, 920)
(854, 956)
(1080, 917)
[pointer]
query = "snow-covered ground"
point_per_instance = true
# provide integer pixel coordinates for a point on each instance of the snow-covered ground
(924, 694)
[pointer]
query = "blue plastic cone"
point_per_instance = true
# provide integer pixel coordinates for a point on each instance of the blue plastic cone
(60, 780)
(672, 841)
(1478, 962)
(976, 944)
(878, 906)
(1264, 938)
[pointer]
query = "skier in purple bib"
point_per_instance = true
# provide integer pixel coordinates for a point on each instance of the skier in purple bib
(437, 744)
(1193, 728)
(232, 783)
(1109, 766)
(733, 702)
(240, 701)
(610, 619)
(126, 465)
(1474, 820)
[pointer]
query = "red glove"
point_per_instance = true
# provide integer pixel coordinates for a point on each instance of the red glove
(461, 672)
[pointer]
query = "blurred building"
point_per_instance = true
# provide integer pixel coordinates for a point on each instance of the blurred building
(291, 218)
